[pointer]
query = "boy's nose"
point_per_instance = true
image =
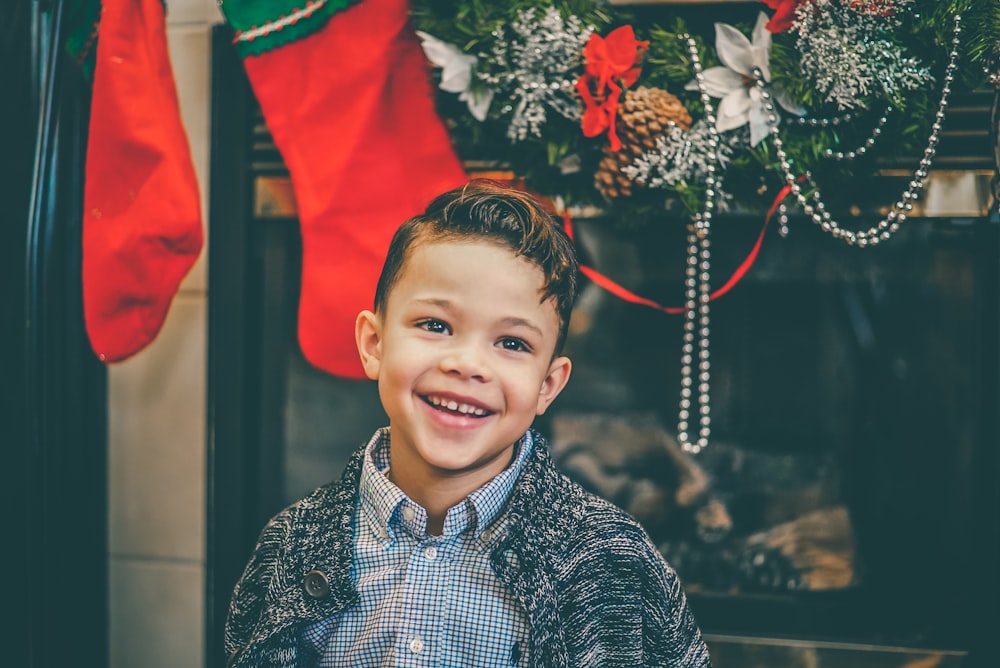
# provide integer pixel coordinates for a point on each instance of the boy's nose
(467, 361)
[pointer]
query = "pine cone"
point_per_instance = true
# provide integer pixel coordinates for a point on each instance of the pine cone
(643, 115)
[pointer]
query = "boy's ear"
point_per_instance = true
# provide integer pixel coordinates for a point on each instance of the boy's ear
(368, 335)
(554, 383)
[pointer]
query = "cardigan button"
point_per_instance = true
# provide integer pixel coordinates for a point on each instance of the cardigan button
(316, 584)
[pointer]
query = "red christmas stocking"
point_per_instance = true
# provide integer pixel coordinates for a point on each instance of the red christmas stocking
(351, 109)
(142, 217)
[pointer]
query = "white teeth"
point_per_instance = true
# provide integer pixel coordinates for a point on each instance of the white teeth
(452, 405)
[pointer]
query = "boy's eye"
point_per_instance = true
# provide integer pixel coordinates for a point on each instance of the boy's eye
(515, 344)
(432, 325)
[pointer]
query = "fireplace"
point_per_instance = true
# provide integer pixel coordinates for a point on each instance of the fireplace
(843, 493)
(845, 511)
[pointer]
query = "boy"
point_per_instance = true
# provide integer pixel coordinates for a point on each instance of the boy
(451, 539)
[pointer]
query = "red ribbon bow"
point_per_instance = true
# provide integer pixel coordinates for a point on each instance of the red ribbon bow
(611, 66)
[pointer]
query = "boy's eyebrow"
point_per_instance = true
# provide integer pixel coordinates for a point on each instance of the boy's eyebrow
(521, 322)
(433, 301)
(436, 301)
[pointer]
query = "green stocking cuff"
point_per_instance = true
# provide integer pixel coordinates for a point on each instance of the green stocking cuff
(262, 25)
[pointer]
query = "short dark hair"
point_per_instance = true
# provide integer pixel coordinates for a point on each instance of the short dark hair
(490, 211)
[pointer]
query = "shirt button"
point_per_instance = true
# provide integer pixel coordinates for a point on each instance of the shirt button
(416, 645)
(486, 536)
(431, 553)
(316, 584)
(409, 514)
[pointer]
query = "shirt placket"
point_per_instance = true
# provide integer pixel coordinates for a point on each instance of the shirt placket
(418, 642)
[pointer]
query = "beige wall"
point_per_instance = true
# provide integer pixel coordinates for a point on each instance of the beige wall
(156, 545)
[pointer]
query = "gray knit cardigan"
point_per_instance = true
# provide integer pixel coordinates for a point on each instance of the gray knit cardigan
(595, 590)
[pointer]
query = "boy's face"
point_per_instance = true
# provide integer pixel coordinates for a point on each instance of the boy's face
(463, 355)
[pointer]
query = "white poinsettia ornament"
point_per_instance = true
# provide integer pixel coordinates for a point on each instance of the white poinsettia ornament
(456, 74)
(733, 83)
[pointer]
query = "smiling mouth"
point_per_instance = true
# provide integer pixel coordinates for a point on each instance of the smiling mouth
(457, 407)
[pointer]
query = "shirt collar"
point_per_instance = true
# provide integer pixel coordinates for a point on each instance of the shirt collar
(386, 507)
(490, 499)
(379, 497)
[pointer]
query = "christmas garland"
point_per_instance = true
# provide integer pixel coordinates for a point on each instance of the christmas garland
(601, 105)
(596, 105)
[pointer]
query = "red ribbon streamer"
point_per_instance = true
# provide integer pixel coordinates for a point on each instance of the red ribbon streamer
(629, 296)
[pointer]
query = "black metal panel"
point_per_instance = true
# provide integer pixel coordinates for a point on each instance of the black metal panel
(52, 387)
(250, 318)
(230, 487)
(984, 578)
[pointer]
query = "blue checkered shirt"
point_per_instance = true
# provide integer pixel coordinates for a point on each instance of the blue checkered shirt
(424, 600)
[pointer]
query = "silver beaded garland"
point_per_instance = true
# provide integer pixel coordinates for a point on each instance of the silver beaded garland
(697, 272)
(824, 122)
(867, 144)
(899, 210)
(697, 288)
